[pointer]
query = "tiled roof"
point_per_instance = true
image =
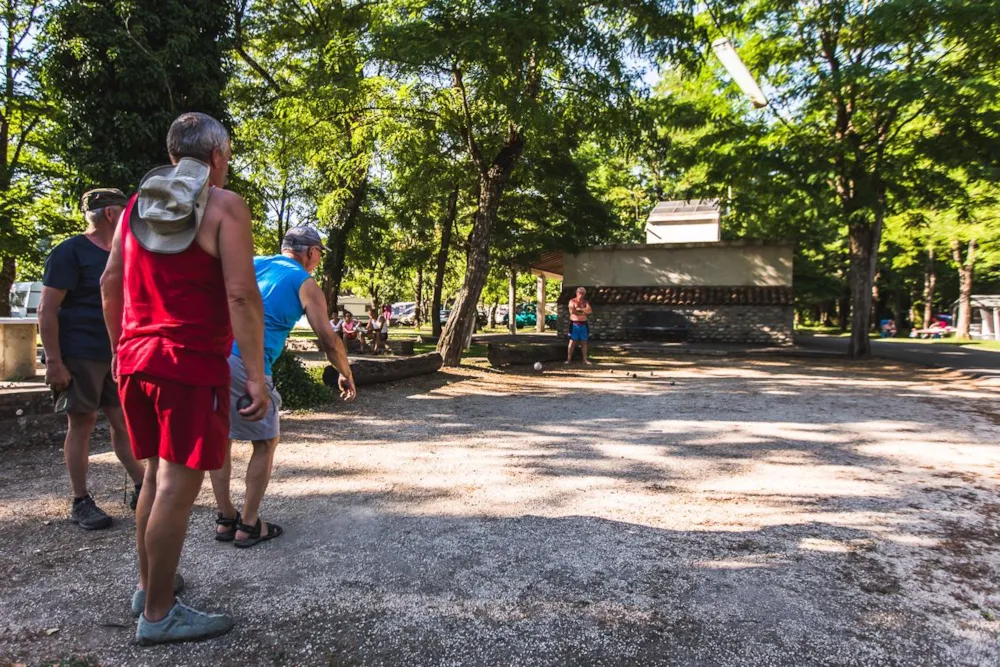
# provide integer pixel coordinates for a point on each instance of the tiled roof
(684, 296)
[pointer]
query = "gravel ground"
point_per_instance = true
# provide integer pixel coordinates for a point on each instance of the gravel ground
(697, 512)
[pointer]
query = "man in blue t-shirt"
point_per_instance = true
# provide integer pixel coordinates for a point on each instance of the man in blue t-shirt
(78, 352)
(288, 290)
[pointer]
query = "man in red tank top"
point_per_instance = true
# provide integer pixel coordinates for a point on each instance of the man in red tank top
(179, 283)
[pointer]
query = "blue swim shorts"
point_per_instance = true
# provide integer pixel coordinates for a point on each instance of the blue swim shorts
(579, 331)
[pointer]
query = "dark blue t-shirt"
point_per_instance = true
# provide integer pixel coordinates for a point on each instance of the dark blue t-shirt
(76, 265)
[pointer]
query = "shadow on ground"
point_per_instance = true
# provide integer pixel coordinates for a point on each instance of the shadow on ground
(703, 514)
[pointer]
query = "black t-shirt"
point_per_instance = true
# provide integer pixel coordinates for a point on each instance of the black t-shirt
(76, 265)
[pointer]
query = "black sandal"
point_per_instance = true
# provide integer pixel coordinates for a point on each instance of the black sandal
(273, 531)
(231, 524)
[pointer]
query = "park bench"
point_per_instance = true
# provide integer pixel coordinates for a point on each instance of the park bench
(662, 324)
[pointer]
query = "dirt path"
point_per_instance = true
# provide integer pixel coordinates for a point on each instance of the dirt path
(704, 512)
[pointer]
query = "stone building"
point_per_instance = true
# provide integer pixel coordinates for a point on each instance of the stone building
(718, 291)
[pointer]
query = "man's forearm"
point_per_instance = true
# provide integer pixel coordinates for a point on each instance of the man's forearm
(113, 307)
(247, 317)
(48, 327)
(336, 354)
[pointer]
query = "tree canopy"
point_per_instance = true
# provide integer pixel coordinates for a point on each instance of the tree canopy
(439, 144)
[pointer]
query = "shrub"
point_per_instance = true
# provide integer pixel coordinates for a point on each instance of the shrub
(300, 387)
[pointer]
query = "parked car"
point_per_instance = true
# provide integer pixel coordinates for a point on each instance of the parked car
(526, 316)
(404, 313)
(24, 299)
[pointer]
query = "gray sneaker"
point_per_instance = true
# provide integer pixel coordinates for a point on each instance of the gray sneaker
(88, 515)
(139, 597)
(182, 624)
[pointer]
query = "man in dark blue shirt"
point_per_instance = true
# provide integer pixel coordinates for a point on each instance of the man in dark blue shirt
(78, 352)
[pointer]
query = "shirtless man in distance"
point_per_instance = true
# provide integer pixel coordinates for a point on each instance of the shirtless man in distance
(579, 331)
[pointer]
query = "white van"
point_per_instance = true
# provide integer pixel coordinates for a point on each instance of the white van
(358, 307)
(24, 299)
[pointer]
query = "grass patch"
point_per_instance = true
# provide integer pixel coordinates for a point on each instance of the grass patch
(993, 345)
(823, 331)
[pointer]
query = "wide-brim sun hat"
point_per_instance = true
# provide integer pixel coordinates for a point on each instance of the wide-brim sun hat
(171, 205)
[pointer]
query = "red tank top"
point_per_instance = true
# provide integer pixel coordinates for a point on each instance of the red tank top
(175, 323)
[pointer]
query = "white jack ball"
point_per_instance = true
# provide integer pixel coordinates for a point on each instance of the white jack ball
(538, 365)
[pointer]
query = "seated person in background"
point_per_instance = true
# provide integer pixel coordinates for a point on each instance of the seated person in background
(889, 328)
(384, 331)
(376, 330)
(337, 324)
(937, 328)
(350, 331)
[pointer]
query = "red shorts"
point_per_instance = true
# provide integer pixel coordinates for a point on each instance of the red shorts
(181, 423)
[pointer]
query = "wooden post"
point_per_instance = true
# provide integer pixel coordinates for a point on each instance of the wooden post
(540, 315)
(996, 323)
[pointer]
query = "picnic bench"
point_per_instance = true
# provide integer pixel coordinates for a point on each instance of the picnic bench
(663, 324)
(933, 332)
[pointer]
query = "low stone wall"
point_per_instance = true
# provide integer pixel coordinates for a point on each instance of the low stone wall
(771, 324)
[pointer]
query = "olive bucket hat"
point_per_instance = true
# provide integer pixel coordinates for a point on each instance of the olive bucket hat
(170, 206)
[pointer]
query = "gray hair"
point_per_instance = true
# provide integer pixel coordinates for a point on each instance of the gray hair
(94, 216)
(196, 135)
(297, 248)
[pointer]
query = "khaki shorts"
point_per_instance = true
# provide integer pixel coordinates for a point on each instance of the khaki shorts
(91, 387)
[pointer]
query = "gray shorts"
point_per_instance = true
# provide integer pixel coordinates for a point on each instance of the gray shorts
(239, 428)
(91, 387)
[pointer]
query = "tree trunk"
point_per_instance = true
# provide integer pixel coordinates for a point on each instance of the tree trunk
(897, 307)
(844, 311)
(930, 285)
(512, 301)
(824, 314)
(333, 263)
(419, 297)
(864, 242)
(491, 186)
(966, 275)
(442, 259)
(8, 272)
(874, 326)
(491, 316)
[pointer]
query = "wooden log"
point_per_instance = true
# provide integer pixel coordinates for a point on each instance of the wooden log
(517, 354)
(385, 369)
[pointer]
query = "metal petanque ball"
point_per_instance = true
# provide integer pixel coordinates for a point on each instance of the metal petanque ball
(244, 402)
(538, 365)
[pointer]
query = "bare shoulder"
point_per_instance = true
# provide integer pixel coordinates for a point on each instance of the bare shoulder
(228, 202)
(309, 289)
(225, 210)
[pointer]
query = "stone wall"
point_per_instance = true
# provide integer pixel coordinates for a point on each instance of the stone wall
(760, 324)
